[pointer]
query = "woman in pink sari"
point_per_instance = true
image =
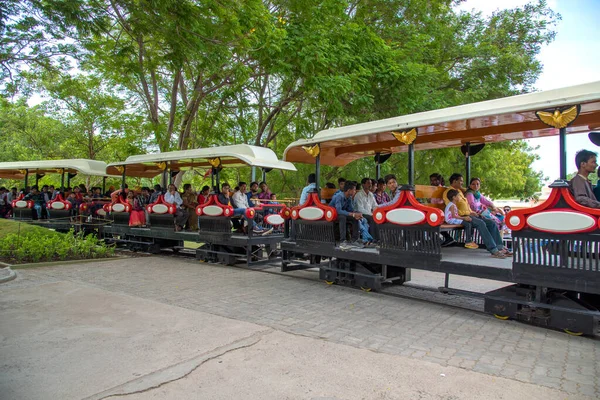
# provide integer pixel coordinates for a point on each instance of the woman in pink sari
(482, 205)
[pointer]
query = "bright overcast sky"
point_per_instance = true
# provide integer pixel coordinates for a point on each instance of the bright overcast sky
(573, 58)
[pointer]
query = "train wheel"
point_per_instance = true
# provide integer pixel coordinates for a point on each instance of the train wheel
(573, 333)
(329, 282)
(502, 317)
(365, 289)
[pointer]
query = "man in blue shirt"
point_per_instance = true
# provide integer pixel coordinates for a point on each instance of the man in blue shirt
(307, 189)
(341, 183)
(342, 201)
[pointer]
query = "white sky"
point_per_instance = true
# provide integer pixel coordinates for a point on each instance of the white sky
(573, 58)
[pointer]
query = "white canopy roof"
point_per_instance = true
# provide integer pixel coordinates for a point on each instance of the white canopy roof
(508, 118)
(17, 169)
(239, 155)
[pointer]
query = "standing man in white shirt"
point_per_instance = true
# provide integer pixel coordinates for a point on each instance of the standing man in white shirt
(181, 216)
(364, 203)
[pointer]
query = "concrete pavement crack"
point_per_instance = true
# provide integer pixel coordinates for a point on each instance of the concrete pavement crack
(177, 371)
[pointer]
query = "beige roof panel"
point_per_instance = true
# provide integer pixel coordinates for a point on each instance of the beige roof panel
(508, 118)
(16, 169)
(234, 156)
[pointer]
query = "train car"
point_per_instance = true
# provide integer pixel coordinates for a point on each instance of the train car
(553, 276)
(220, 243)
(58, 212)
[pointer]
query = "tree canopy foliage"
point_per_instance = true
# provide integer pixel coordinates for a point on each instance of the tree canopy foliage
(122, 77)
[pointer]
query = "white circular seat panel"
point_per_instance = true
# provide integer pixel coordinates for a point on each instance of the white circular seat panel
(405, 216)
(160, 209)
(118, 207)
(58, 205)
(311, 213)
(560, 221)
(274, 219)
(212, 211)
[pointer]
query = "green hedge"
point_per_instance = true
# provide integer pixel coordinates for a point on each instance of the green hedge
(51, 246)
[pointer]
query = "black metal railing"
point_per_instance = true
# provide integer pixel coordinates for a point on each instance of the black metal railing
(314, 232)
(562, 261)
(418, 239)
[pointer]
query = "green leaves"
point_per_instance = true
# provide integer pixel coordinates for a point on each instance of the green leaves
(47, 245)
(172, 74)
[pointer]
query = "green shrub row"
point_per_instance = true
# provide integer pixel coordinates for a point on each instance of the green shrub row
(51, 246)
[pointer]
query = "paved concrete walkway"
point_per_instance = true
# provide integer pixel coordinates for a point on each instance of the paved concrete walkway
(413, 334)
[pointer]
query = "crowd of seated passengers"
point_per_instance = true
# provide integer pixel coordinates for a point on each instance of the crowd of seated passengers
(459, 208)
(76, 196)
(472, 210)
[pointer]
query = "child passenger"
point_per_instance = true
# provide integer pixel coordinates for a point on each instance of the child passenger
(452, 217)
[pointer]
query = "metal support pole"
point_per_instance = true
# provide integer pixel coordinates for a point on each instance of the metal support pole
(317, 173)
(62, 181)
(37, 179)
(378, 166)
(216, 170)
(170, 176)
(212, 181)
(68, 179)
(26, 175)
(411, 164)
(123, 177)
(264, 175)
(163, 182)
(468, 163)
(103, 185)
(563, 153)
(253, 174)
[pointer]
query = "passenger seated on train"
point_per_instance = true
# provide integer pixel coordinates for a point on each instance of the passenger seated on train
(392, 185)
(190, 203)
(581, 187)
(4, 210)
(12, 195)
(38, 201)
(487, 228)
(157, 192)
(436, 179)
(252, 193)
(122, 193)
(364, 203)
(308, 188)
(380, 194)
(452, 217)
(240, 197)
(342, 201)
(341, 183)
(203, 195)
(181, 215)
(265, 193)
(137, 217)
(226, 199)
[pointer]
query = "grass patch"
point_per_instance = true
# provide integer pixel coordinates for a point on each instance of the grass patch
(9, 226)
